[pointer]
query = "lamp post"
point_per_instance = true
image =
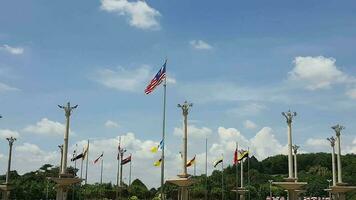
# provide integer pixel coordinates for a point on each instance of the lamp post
(289, 117)
(185, 110)
(68, 111)
(270, 188)
(295, 151)
(337, 128)
(332, 143)
(61, 150)
(11, 141)
(329, 181)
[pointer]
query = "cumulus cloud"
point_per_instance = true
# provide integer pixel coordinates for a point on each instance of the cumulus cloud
(139, 13)
(194, 132)
(129, 80)
(249, 124)
(12, 50)
(111, 124)
(6, 133)
(317, 72)
(47, 127)
(200, 45)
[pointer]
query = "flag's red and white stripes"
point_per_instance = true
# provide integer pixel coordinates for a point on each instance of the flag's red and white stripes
(159, 77)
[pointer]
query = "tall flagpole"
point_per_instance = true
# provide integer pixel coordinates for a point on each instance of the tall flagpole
(118, 169)
(163, 134)
(86, 167)
(222, 178)
(206, 169)
(248, 171)
(130, 171)
(237, 171)
(101, 170)
(81, 168)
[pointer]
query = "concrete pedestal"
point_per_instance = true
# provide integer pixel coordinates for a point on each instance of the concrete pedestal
(183, 183)
(339, 191)
(5, 191)
(242, 192)
(63, 184)
(292, 187)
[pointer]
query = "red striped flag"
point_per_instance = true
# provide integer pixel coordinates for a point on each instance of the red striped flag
(159, 77)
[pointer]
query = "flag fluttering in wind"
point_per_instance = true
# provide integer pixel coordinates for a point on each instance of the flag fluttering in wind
(81, 155)
(191, 162)
(243, 154)
(236, 159)
(126, 160)
(218, 162)
(158, 162)
(161, 74)
(96, 160)
(156, 148)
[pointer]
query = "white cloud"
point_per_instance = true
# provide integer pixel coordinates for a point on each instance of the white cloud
(317, 143)
(47, 127)
(139, 13)
(263, 149)
(111, 124)
(200, 45)
(6, 133)
(248, 109)
(124, 79)
(317, 72)
(194, 132)
(12, 50)
(250, 124)
(351, 93)
(4, 88)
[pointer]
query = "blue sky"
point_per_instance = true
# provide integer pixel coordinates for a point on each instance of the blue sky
(241, 64)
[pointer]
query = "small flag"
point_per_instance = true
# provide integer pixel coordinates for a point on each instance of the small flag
(218, 162)
(126, 160)
(77, 157)
(155, 148)
(243, 154)
(96, 160)
(85, 152)
(157, 163)
(236, 160)
(191, 162)
(161, 74)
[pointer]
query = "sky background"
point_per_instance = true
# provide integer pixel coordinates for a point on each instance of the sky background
(240, 62)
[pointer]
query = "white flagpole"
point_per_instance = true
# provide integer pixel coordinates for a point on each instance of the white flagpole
(130, 171)
(237, 171)
(101, 171)
(163, 133)
(87, 164)
(206, 169)
(222, 178)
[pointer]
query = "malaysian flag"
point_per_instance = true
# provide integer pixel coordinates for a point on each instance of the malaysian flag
(161, 74)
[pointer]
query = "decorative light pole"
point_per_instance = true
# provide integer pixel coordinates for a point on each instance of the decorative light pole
(61, 150)
(270, 188)
(295, 151)
(337, 128)
(68, 111)
(332, 143)
(289, 117)
(185, 110)
(11, 141)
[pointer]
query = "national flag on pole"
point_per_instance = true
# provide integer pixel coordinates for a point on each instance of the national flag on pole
(96, 160)
(218, 162)
(158, 162)
(81, 155)
(191, 162)
(236, 159)
(161, 74)
(159, 146)
(126, 160)
(243, 154)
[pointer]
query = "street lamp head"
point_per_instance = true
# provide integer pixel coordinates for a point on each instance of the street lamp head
(270, 181)
(11, 140)
(295, 148)
(332, 141)
(337, 128)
